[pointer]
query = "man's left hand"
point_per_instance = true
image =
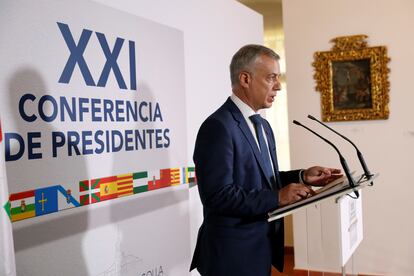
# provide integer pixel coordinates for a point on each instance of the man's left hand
(320, 176)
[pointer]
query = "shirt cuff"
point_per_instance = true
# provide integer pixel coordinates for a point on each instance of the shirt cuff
(301, 177)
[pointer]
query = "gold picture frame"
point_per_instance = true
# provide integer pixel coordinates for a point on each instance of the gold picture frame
(353, 80)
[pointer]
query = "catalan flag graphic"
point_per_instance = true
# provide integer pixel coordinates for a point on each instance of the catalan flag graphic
(22, 205)
(84, 192)
(175, 176)
(140, 182)
(46, 200)
(107, 188)
(125, 184)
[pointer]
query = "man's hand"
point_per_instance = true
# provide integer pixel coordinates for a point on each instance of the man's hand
(320, 176)
(294, 192)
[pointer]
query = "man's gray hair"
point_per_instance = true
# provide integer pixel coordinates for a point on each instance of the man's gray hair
(244, 58)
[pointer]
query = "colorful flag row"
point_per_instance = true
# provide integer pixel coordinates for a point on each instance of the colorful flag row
(52, 199)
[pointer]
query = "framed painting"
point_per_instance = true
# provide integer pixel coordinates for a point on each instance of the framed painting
(353, 80)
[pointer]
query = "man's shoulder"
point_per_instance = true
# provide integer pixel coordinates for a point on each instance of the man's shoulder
(225, 110)
(222, 118)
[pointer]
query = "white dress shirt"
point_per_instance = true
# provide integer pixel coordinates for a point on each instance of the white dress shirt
(247, 111)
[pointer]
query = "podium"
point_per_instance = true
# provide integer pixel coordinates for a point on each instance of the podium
(342, 188)
(346, 216)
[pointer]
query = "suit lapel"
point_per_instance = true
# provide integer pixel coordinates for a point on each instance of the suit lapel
(238, 116)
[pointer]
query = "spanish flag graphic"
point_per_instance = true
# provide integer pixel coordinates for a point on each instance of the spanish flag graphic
(107, 187)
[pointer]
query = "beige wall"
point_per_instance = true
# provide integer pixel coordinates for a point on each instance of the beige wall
(388, 145)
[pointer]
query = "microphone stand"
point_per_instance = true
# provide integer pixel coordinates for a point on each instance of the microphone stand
(341, 158)
(367, 173)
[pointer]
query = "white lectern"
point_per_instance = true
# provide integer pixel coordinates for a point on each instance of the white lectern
(349, 214)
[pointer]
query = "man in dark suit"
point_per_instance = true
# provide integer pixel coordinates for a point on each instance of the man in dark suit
(238, 177)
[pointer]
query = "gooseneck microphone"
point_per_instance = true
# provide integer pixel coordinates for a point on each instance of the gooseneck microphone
(367, 173)
(341, 158)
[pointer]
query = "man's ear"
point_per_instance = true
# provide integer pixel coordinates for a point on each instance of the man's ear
(245, 79)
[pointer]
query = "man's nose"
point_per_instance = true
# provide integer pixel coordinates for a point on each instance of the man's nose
(277, 86)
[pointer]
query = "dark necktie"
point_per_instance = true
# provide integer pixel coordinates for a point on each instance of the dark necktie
(264, 151)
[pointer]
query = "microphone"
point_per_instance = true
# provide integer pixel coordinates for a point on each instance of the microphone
(367, 173)
(341, 158)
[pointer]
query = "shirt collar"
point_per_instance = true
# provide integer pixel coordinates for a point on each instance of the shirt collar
(246, 110)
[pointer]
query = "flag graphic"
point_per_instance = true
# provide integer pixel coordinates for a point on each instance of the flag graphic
(22, 205)
(51, 199)
(94, 192)
(84, 192)
(153, 180)
(7, 260)
(46, 200)
(66, 200)
(184, 178)
(191, 175)
(165, 179)
(107, 188)
(125, 184)
(186, 174)
(140, 182)
(175, 176)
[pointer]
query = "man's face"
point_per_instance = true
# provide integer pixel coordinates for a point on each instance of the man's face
(264, 83)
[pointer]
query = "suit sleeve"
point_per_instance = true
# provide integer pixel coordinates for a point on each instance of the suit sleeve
(288, 177)
(214, 160)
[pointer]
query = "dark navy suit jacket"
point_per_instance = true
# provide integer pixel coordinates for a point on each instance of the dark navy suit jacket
(235, 237)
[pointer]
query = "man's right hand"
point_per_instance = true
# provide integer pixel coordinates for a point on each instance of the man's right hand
(294, 192)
